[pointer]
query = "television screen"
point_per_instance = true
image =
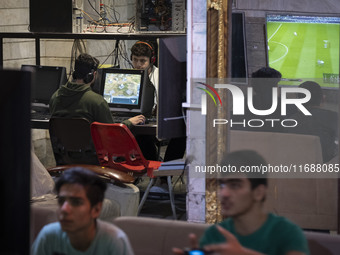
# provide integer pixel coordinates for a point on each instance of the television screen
(304, 48)
(46, 80)
(122, 89)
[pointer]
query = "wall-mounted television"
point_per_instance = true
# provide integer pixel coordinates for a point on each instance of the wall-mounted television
(304, 47)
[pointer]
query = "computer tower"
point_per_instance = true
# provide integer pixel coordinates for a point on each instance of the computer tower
(161, 16)
(51, 16)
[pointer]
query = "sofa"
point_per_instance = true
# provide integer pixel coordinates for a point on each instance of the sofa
(150, 236)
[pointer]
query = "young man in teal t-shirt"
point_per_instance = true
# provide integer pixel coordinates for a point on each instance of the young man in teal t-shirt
(248, 229)
(78, 230)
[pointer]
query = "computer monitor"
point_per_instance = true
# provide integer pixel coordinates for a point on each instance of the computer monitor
(304, 47)
(126, 91)
(46, 80)
(172, 87)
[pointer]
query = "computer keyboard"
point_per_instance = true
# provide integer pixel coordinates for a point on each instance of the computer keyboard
(120, 119)
(40, 115)
(151, 120)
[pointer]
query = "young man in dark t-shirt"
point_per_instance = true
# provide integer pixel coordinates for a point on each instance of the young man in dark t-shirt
(248, 228)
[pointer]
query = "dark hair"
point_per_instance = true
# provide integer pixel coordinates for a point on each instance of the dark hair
(266, 72)
(84, 65)
(95, 187)
(247, 158)
(315, 90)
(270, 78)
(141, 48)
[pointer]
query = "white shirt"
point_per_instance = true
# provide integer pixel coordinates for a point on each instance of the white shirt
(154, 78)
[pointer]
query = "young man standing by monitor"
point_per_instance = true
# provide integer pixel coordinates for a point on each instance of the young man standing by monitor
(76, 99)
(248, 228)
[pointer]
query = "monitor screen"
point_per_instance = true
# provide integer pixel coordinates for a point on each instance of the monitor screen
(304, 47)
(172, 87)
(46, 80)
(122, 89)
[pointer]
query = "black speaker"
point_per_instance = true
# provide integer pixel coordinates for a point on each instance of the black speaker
(15, 156)
(51, 16)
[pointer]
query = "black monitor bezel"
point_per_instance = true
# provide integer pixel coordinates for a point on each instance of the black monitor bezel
(234, 79)
(114, 107)
(172, 56)
(62, 79)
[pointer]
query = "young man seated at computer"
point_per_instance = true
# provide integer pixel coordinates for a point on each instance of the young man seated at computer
(76, 99)
(143, 57)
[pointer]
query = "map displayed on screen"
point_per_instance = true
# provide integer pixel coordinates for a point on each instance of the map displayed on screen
(122, 88)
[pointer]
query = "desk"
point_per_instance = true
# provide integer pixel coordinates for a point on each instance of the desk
(171, 168)
(172, 172)
(147, 129)
(39, 124)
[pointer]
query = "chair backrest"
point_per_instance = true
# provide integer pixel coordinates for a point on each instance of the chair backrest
(72, 142)
(117, 148)
(159, 236)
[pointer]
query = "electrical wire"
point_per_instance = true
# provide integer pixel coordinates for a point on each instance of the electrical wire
(105, 22)
(109, 56)
(124, 55)
(93, 7)
(78, 47)
(114, 13)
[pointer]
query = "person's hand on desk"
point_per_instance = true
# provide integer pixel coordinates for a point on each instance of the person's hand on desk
(139, 119)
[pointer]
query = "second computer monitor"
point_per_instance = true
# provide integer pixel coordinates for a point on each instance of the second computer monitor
(46, 80)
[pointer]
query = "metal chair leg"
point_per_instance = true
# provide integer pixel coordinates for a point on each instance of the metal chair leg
(172, 199)
(146, 193)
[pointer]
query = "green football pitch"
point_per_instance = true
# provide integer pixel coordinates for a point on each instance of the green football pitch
(304, 51)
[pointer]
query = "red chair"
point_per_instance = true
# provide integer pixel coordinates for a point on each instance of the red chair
(117, 148)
